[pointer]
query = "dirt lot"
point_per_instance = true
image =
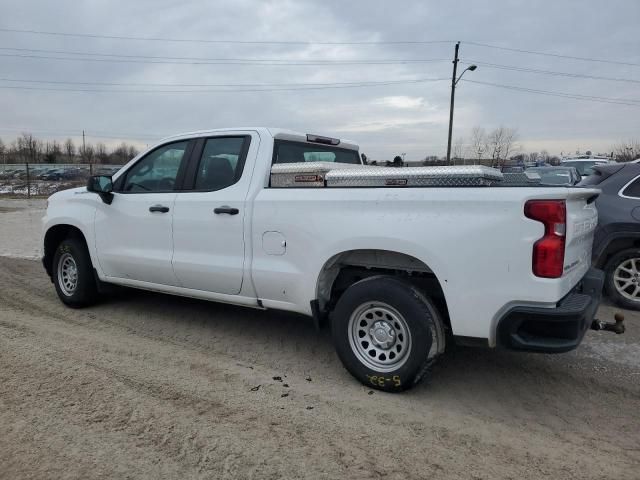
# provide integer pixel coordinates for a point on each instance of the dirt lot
(150, 386)
(20, 227)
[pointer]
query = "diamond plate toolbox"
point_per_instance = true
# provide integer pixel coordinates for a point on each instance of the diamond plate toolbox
(305, 174)
(447, 176)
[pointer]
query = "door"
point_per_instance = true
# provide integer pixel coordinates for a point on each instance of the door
(134, 233)
(208, 222)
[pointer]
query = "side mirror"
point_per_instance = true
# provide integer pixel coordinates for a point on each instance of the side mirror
(103, 186)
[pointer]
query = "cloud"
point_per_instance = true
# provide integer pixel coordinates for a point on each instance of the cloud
(401, 101)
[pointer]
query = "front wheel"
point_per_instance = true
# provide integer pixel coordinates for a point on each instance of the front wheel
(622, 281)
(386, 333)
(73, 273)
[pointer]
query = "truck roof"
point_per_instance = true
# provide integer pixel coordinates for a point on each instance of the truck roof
(275, 132)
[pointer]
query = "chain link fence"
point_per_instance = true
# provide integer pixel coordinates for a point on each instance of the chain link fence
(43, 179)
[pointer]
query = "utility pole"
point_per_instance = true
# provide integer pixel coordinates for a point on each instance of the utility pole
(84, 148)
(453, 96)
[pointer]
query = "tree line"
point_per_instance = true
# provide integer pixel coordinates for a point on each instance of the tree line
(500, 145)
(626, 151)
(29, 149)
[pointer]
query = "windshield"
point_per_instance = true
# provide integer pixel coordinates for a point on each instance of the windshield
(293, 152)
(553, 176)
(584, 168)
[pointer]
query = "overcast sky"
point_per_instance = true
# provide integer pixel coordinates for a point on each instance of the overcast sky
(385, 120)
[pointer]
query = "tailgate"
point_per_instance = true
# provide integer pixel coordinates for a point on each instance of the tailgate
(582, 218)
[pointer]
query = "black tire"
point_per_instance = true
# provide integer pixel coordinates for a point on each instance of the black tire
(421, 319)
(609, 283)
(85, 292)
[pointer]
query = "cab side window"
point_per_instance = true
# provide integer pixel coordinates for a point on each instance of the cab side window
(157, 172)
(221, 163)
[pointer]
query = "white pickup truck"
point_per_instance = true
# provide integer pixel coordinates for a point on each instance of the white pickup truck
(398, 260)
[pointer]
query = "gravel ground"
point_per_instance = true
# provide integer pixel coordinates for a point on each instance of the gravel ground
(150, 386)
(20, 227)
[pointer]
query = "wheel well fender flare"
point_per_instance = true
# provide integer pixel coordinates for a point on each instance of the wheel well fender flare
(52, 238)
(376, 259)
(612, 243)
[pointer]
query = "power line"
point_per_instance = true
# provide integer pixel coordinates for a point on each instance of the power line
(557, 55)
(305, 42)
(616, 101)
(228, 90)
(238, 85)
(225, 61)
(549, 72)
(208, 59)
(233, 61)
(220, 41)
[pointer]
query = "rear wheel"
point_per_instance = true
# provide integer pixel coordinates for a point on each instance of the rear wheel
(72, 273)
(386, 333)
(623, 278)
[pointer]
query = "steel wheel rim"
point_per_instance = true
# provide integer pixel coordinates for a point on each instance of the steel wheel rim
(626, 279)
(379, 336)
(67, 274)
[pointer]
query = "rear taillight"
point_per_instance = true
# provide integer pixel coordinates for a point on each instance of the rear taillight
(548, 252)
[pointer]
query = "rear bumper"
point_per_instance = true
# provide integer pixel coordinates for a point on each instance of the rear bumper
(553, 330)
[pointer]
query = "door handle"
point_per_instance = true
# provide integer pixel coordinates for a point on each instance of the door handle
(159, 208)
(226, 209)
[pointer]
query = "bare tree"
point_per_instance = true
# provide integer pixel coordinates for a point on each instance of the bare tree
(123, 153)
(3, 157)
(458, 149)
(478, 142)
(101, 153)
(495, 145)
(119, 154)
(131, 152)
(510, 144)
(544, 156)
(69, 150)
(30, 148)
(87, 152)
(52, 152)
(627, 150)
(500, 143)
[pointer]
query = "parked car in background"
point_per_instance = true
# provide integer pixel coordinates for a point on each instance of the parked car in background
(557, 175)
(53, 174)
(616, 246)
(512, 169)
(4, 174)
(584, 166)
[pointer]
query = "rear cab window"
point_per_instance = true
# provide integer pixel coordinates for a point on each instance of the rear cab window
(287, 151)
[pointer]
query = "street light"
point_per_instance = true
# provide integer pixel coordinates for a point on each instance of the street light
(471, 68)
(454, 82)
